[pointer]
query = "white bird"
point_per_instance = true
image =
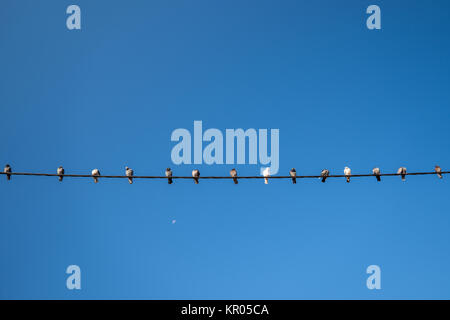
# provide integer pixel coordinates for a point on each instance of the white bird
(438, 171)
(169, 175)
(7, 169)
(266, 174)
(377, 172)
(129, 172)
(293, 174)
(195, 175)
(233, 174)
(96, 174)
(348, 173)
(402, 171)
(325, 173)
(60, 172)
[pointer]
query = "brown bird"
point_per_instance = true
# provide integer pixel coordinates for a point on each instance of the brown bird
(60, 172)
(169, 175)
(293, 174)
(347, 173)
(233, 173)
(7, 169)
(129, 172)
(325, 173)
(402, 171)
(95, 174)
(195, 175)
(438, 171)
(266, 174)
(377, 172)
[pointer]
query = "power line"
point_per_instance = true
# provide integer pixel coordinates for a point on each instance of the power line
(220, 177)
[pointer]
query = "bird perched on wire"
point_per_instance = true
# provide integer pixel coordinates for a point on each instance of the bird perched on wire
(325, 173)
(233, 174)
(377, 172)
(438, 171)
(7, 170)
(169, 175)
(293, 174)
(402, 171)
(348, 173)
(195, 175)
(96, 174)
(129, 172)
(266, 174)
(60, 172)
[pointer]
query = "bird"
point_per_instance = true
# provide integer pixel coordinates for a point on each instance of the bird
(60, 172)
(438, 171)
(266, 174)
(169, 175)
(233, 174)
(402, 171)
(293, 174)
(325, 173)
(95, 174)
(348, 173)
(195, 175)
(129, 172)
(7, 170)
(377, 172)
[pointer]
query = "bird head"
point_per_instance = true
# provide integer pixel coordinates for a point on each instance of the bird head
(168, 169)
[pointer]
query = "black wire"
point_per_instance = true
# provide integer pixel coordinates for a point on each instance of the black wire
(218, 177)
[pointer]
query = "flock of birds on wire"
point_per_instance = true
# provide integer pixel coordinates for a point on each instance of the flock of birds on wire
(233, 173)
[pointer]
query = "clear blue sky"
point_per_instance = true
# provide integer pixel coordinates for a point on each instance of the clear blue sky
(111, 94)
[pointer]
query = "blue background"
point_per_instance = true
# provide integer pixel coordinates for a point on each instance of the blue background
(111, 94)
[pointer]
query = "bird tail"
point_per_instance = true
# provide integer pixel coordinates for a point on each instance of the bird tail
(235, 180)
(440, 176)
(294, 180)
(130, 180)
(378, 178)
(95, 180)
(348, 179)
(169, 180)
(403, 177)
(60, 178)
(196, 180)
(323, 179)
(266, 180)
(8, 176)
